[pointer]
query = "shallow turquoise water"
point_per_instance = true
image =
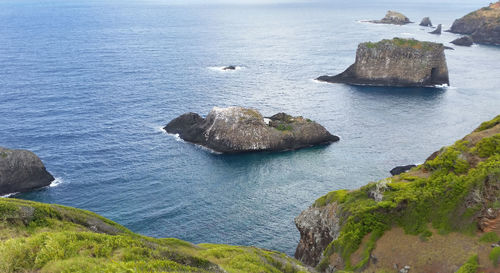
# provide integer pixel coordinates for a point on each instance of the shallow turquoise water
(87, 85)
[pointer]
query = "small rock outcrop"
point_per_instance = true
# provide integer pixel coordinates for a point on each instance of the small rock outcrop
(392, 17)
(21, 171)
(231, 67)
(437, 30)
(401, 169)
(482, 25)
(463, 41)
(426, 22)
(237, 129)
(396, 62)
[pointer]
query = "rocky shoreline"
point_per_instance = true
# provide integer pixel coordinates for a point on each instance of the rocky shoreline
(482, 25)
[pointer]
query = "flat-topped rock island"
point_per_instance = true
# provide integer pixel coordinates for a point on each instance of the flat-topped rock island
(237, 130)
(396, 62)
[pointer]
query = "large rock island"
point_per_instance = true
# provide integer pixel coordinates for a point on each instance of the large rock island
(441, 216)
(237, 129)
(392, 17)
(21, 171)
(396, 62)
(482, 25)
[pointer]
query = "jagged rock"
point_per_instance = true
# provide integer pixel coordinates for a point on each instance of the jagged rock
(437, 30)
(463, 41)
(237, 129)
(318, 227)
(448, 48)
(426, 22)
(231, 67)
(393, 17)
(21, 171)
(396, 62)
(401, 169)
(482, 25)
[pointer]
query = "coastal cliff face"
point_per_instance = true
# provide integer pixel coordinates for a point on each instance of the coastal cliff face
(45, 238)
(237, 129)
(448, 205)
(21, 171)
(482, 25)
(396, 62)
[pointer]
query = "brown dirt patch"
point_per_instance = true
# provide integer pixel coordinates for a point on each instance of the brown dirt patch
(440, 253)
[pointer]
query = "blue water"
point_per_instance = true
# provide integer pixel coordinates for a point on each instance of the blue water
(87, 85)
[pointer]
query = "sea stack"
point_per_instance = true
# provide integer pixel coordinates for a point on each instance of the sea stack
(21, 171)
(482, 25)
(396, 62)
(426, 22)
(463, 41)
(437, 30)
(237, 130)
(392, 17)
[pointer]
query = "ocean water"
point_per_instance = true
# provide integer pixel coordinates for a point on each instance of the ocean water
(87, 85)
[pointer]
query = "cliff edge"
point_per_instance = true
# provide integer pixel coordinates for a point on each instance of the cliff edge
(441, 216)
(483, 25)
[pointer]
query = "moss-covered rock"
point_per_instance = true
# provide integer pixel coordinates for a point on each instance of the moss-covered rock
(37, 237)
(457, 190)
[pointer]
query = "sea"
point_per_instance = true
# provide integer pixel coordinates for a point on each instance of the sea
(88, 86)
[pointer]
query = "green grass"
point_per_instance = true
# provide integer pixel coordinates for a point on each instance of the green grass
(284, 127)
(489, 237)
(470, 266)
(437, 200)
(495, 256)
(488, 124)
(36, 237)
(400, 42)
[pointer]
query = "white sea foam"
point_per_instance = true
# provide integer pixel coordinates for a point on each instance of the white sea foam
(8, 195)
(160, 129)
(175, 136)
(57, 181)
(407, 34)
(320, 82)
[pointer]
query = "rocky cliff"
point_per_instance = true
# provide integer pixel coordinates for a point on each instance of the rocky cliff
(396, 62)
(237, 129)
(37, 237)
(21, 171)
(440, 216)
(482, 25)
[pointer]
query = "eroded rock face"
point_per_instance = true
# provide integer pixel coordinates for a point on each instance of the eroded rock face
(437, 30)
(463, 41)
(393, 17)
(426, 22)
(317, 227)
(396, 62)
(21, 171)
(482, 25)
(237, 129)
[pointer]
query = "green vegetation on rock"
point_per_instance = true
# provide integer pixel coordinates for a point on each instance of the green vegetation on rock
(401, 42)
(446, 193)
(495, 256)
(37, 237)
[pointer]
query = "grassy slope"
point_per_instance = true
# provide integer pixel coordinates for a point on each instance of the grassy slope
(448, 193)
(37, 237)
